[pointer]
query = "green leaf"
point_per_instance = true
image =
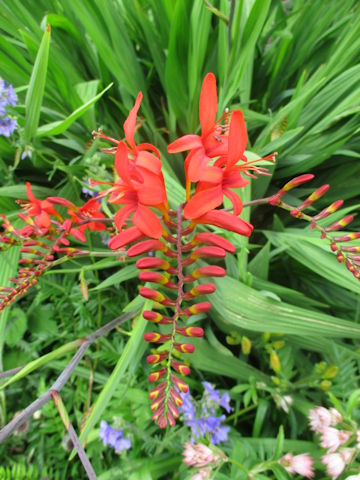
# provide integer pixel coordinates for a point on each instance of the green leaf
(55, 128)
(35, 93)
(125, 273)
(17, 325)
(300, 245)
(279, 448)
(237, 304)
(221, 364)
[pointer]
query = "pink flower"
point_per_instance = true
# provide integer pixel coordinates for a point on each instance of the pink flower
(358, 439)
(321, 417)
(332, 438)
(202, 474)
(301, 464)
(198, 455)
(336, 462)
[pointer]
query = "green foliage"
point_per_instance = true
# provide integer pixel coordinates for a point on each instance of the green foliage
(293, 68)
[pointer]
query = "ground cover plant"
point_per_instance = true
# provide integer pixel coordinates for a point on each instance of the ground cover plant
(129, 206)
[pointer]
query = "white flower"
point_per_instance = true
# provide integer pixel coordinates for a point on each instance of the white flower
(336, 462)
(301, 464)
(321, 417)
(331, 438)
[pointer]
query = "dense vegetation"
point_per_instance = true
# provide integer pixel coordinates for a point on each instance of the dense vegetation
(282, 336)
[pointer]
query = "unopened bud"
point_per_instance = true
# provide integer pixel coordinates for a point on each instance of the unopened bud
(275, 362)
(330, 372)
(245, 345)
(155, 337)
(180, 367)
(325, 385)
(156, 358)
(155, 376)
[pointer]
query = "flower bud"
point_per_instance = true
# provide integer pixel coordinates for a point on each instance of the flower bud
(155, 337)
(196, 309)
(190, 331)
(245, 345)
(275, 362)
(157, 357)
(155, 376)
(180, 367)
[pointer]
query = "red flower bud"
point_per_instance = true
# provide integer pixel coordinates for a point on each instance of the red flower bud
(152, 262)
(155, 392)
(179, 384)
(156, 317)
(155, 376)
(207, 271)
(210, 239)
(202, 289)
(155, 337)
(190, 331)
(202, 307)
(184, 347)
(180, 367)
(156, 358)
(145, 247)
(156, 296)
(176, 397)
(157, 277)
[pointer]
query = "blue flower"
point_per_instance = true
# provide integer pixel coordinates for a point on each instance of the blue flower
(7, 126)
(204, 421)
(7, 97)
(114, 438)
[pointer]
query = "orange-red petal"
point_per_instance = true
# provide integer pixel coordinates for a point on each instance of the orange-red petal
(226, 220)
(208, 104)
(187, 142)
(237, 137)
(147, 222)
(122, 162)
(125, 237)
(130, 122)
(203, 201)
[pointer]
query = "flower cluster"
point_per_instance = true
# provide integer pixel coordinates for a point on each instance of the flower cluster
(339, 442)
(345, 253)
(163, 234)
(44, 236)
(113, 437)
(202, 417)
(202, 458)
(7, 97)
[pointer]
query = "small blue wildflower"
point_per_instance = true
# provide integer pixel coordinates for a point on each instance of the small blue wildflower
(87, 191)
(7, 97)
(205, 421)
(114, 438)
(7, 126)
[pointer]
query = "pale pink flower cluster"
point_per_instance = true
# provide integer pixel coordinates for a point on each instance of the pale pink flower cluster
(323, 421)
(336, 462)
(200, 457)
(300, 464)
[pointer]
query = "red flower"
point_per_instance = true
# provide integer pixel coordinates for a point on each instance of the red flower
(212, 142)
(40, 209)
(89, 210)
(137, 189)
